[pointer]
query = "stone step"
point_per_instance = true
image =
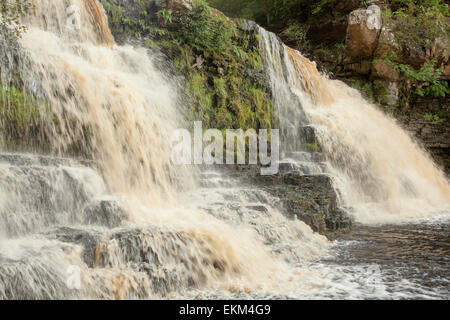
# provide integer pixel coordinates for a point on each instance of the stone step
(37, 192)
(42, 268)
(19, 159)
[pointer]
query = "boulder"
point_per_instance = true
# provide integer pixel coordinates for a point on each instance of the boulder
(387, 43)
(308, 135)
(364, 26)
(380, 69)
(87, 238)
(106, 213)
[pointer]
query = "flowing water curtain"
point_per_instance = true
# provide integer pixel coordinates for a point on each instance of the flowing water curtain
(380, 169)
(105, 101)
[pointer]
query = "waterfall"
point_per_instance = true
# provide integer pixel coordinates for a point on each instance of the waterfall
(381, 172)
(132, 225)
(123, 222)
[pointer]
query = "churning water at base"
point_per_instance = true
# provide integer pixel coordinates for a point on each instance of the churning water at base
(132, 225)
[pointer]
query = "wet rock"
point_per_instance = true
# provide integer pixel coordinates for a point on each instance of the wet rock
(259, 76)
(40, 192)
(316, 222)
(36, 270)
(17, 159)
(312, 199)
(388, 93)
(259, 208)
(247, 25)
(164, 254)
(441, 50)
(364, 26)
(107, 213)
(434, 136)
(164, 280)
(308, 135)
(415, 55)
(87, 238)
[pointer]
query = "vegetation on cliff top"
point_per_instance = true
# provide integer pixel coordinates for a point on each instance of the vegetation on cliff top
(219, 59)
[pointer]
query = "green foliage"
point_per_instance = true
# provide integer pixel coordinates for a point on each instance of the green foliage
(201, 97)
(213, 54)
(434, 118)
(123, 25)
(20, 116)
(312, 147)
(321, 5)
(205, 29)
(418, 23)
(296, 33)
(266, 12)
(10, 14)
(364, 87)
(426, 79)
(165, 15)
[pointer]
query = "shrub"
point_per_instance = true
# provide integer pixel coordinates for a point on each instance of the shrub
(418, 25)
(426, 79)
(11, 12)
(204, 29)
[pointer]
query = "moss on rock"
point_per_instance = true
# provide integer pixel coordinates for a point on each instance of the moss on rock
(213, 53)
(21, 119)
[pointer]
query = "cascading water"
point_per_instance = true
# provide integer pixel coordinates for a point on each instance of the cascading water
(133, 225)
(382, 174)
(124, 229)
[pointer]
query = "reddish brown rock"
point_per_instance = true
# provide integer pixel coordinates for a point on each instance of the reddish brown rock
(364, 26)
(447, 71)
(387, 43)
(380, 69)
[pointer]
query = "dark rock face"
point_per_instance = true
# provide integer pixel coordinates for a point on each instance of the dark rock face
(88, 239)
(434, 135)
(312, 199)
(107, 213)
(331, 32)
(308, 135)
